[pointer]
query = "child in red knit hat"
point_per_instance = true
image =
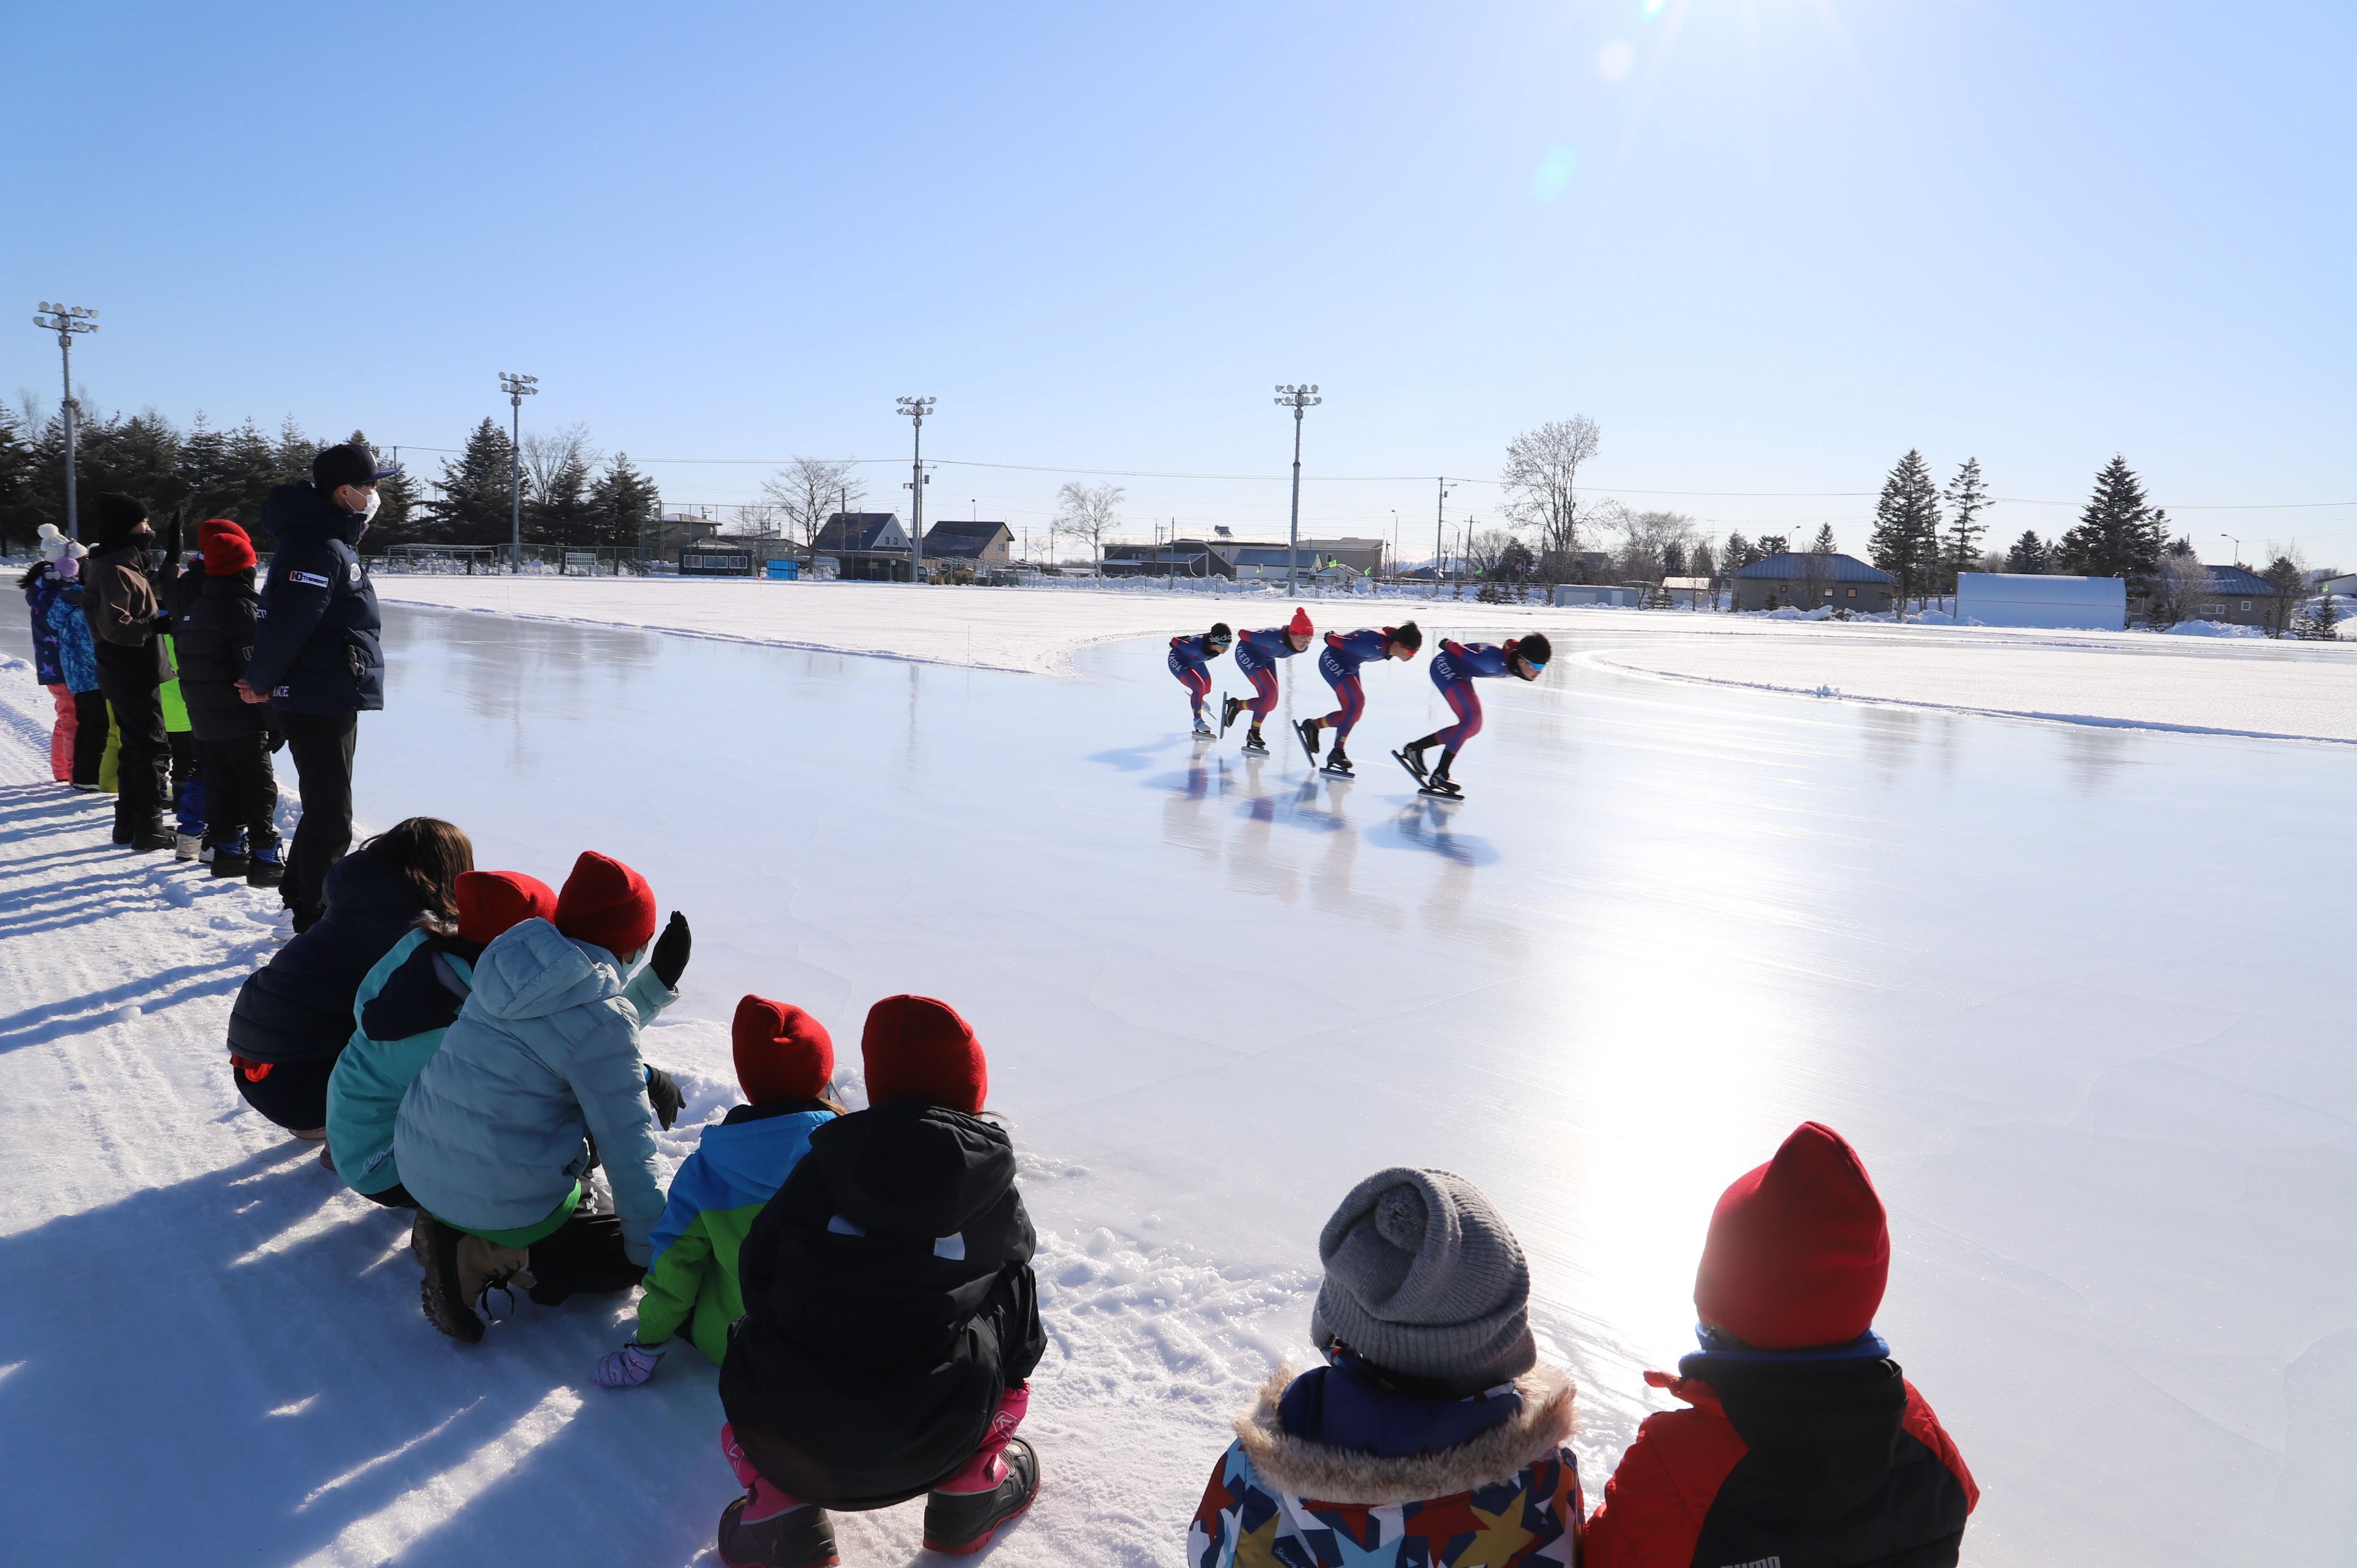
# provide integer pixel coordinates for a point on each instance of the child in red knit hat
(1256, 655)
(785, 1065)
(1805, 1444)
(891, 1318)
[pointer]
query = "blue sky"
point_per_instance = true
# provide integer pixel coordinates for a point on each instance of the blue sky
(1769, 245)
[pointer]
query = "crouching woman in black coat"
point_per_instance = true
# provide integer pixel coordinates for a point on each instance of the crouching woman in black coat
(891, 1318)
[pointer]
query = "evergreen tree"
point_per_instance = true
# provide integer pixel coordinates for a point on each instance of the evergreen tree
(620, 501)
(1674, 559)
(1967, 498)
(1906, 541)
(1739, 553)
(399, 518)
(20, 516)
(2319, 622)
(474, 504)
(1823, 543)
(1771, 544)
(1701, 563)
(2029, 556)
(2118, 534)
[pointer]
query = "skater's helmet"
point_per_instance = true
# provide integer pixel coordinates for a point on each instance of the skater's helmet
(1408, 635)
(1533, 647)
(1222, 633)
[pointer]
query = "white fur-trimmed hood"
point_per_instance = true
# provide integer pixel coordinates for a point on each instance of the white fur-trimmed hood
(1302, 1468)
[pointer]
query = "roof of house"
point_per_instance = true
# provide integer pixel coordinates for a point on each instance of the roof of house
(2234, 580)
(1790, 566)
(965, 538)
(854, 530)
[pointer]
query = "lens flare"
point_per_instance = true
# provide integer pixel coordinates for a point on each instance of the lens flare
(1655, 7)
(1553, 173)
(1615, 60)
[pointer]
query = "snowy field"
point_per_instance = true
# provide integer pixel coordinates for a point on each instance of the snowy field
(2253, 686)
(2078, 993)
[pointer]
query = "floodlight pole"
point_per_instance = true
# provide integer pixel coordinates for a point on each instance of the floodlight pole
(1299, 399)
(2228, 537)
(66, 320)
(1439, 522)
(916, 408)
(518, 388)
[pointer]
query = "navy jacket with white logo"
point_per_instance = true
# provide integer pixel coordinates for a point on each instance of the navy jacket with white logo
(316, 642)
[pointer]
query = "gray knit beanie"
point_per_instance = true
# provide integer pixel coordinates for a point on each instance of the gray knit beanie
(1423, 1278)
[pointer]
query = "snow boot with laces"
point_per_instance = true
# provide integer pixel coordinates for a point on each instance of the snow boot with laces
(959, 1524)
(462, 1268)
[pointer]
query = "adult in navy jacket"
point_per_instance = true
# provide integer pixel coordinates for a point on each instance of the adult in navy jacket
(294, 1015)
(317, 660)
(1804, 1442)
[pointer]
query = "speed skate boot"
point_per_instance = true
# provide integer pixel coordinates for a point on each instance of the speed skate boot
(1228, 708)
(1440, 783)
(801, 1537)
(1411, 756)
(1307, 730)
(1337, 763)
(1253, 744)
(1202, 730)
(959, 1524)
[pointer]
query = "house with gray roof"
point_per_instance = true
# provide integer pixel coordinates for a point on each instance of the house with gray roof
(1805, 579)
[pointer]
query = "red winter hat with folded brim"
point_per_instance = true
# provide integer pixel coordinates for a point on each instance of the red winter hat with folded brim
(491, 901)
(1299, 626)
(782, 1053)
(607, 903)
(226, 547)
(916, 1048)
(1799, 1250)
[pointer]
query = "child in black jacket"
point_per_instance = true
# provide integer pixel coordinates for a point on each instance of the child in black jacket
(212, 636)
(891, 1315)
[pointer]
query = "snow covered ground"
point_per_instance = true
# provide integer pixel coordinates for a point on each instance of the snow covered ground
(2077, 992)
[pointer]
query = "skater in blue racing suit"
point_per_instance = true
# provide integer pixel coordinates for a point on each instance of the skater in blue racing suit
(1256, 655)
(1454, 670)
(1189, 661)
(1345, 651)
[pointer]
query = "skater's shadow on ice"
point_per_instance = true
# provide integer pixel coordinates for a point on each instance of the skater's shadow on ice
(1130, 758)
(1425, 824)
(247, 1344)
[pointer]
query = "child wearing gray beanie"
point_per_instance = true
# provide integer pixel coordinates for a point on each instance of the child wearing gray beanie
(1433, 1429)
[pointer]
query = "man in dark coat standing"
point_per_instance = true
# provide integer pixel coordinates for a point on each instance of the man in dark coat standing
(127, 624)
(318, 661)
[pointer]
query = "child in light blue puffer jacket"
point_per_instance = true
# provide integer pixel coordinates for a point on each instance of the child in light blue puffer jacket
(495, 1135)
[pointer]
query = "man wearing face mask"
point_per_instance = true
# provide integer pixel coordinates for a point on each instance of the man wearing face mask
(317, 657)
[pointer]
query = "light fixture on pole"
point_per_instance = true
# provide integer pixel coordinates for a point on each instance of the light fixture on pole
(518, 388)
(1299, 399)
(1439, 522)
(2230, 538)
(916, 408)
(66, 320)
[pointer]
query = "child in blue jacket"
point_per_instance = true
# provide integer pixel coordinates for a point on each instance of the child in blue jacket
(1454, 670)
(785, 1065)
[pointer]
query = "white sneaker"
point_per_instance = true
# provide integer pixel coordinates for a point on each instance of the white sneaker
(185, 846)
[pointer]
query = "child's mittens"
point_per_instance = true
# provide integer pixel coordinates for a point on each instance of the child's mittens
(627, 1368)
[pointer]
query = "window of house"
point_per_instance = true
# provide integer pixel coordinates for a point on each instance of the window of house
(2246, 605)
(1853, 592)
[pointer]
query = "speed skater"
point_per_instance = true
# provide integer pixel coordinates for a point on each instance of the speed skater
(1190, 659)
(1454, 670)
(1344, 652)
(1256, 655)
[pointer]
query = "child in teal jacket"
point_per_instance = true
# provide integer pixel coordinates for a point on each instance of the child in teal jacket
(785, 1064)
(402, 1010)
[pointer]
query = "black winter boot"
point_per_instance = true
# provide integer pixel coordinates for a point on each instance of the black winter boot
(447, 1307)
(959, 1524)
(799, 1538)
(154, 836)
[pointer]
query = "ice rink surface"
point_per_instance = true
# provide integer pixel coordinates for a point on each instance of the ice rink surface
(2079, 995)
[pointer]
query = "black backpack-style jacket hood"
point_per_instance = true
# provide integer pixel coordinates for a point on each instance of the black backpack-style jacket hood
(889, 1303)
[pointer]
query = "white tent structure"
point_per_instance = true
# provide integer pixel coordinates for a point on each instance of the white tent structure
(2021, 599)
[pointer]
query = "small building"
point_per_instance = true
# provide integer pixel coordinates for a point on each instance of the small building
(1695, 589)
(2238, 598)
(1361, 558)
(708, 560)
(1805, 579)
(862, 530)
(1171, 558)
(985, 545)
(1625, 595)
(2031, 598)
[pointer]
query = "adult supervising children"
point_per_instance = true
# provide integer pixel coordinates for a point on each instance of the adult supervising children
(318, 661)
(1190, 663)
(1454, 670)
(1256, 655)
(1345, 651)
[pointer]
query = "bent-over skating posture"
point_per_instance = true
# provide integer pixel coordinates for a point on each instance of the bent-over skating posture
(1345, 651)
(1256, 655)
(1191, 661)
(1454, 670)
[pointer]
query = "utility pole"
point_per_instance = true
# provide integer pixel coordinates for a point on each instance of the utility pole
(518, 388)
(916, 408)
(1439, 521)
(66, 320)
(1299, 399)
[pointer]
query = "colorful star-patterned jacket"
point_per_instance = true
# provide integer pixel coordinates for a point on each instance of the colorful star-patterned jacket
(1509, 1497)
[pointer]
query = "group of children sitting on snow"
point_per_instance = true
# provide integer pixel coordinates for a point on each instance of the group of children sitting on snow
(467, 1044)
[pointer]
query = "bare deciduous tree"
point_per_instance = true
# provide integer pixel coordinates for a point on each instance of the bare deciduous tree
(552, 458)
(1089, 512)
(1645, 541)
(808, 490)
(2180, 586)
(1541, 478)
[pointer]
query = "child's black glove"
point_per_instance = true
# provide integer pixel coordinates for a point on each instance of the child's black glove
(664, 1096)
(670, 960)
